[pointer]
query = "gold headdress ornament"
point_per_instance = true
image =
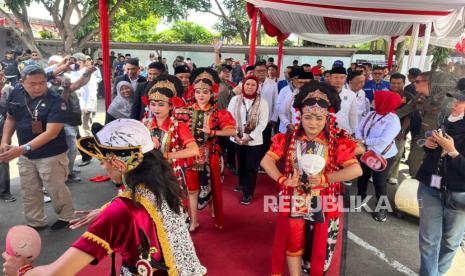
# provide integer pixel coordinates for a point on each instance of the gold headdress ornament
(202, 86)
(316, 108)
(317, 94)
(204, 75)
(157, 96)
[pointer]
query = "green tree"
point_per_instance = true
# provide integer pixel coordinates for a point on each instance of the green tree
(233, 20)
(440, 55)
(186, 32)
(77, 35)
(142, 30)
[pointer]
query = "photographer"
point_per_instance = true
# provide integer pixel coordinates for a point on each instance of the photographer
(441, 194)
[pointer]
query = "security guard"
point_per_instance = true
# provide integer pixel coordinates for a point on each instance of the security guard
(37, 114)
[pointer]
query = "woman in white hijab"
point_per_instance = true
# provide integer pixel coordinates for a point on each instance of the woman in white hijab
(121, 105)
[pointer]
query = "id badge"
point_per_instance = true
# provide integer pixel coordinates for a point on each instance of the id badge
(37, 127)
(435, 181)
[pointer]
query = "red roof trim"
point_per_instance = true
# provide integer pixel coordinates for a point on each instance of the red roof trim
(360, 9)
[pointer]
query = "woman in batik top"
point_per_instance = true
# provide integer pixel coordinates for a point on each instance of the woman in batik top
(305, 235)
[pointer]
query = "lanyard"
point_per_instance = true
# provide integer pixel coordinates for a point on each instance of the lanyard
(247, 110)
(373, 122)
(36, 109)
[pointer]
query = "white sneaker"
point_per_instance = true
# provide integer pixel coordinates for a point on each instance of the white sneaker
(47, 199)
(392, 181)
(360, 204)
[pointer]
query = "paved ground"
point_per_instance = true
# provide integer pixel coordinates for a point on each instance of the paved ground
(373, 248)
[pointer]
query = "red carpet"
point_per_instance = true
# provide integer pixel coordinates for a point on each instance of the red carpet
(244, 245)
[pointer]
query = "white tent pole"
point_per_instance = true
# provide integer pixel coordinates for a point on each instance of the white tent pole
(413, 47)
(424, 50)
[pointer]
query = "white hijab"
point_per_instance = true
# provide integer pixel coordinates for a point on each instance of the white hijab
(121, 106)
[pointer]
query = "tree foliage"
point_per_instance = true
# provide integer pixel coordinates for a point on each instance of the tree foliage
(233, 21)
(186, 32)
(440, 55)
(142, 30)
(140, 13)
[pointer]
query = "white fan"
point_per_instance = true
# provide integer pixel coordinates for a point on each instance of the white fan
(312, 164)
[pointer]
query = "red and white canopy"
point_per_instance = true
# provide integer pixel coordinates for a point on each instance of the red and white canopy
(355, 21)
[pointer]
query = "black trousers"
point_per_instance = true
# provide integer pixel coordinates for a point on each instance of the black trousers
(248, 160)
(229, 149)
(4, 178)
(379, 179)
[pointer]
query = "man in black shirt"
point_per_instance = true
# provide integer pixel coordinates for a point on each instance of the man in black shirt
(10, 67)
(154, 70)
(37, 114)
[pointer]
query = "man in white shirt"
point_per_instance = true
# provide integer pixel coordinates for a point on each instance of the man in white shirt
(269, 92)
(356, 82)
(87, 94)
(286, 98)
(347, 116)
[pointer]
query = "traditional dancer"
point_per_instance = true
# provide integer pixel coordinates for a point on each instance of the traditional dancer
(308, 236)
(171, 137)
(206, 123)
(145, 223)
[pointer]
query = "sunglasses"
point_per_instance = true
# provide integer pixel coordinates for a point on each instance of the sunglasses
(419, 81)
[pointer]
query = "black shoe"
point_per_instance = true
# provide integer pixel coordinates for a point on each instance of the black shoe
(7, 197)
(39, 228)
(246, 200)
(73, 178)
(238, 189)
(59, 224)
(380, 216)
(84, 163)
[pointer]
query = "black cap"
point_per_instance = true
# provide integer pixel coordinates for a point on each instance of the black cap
(295, 73)
(339, 70)
(305, 75)
(181, 69)
(458, 95)
(249, 68)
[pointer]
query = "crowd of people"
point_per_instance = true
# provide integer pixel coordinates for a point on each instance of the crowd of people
(357, 122)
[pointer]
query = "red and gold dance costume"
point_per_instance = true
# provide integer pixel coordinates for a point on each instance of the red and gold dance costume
(171, 136)
(151, 238)
(297, 233)
(206, 171)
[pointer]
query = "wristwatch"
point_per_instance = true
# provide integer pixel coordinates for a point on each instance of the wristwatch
(27, 148)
